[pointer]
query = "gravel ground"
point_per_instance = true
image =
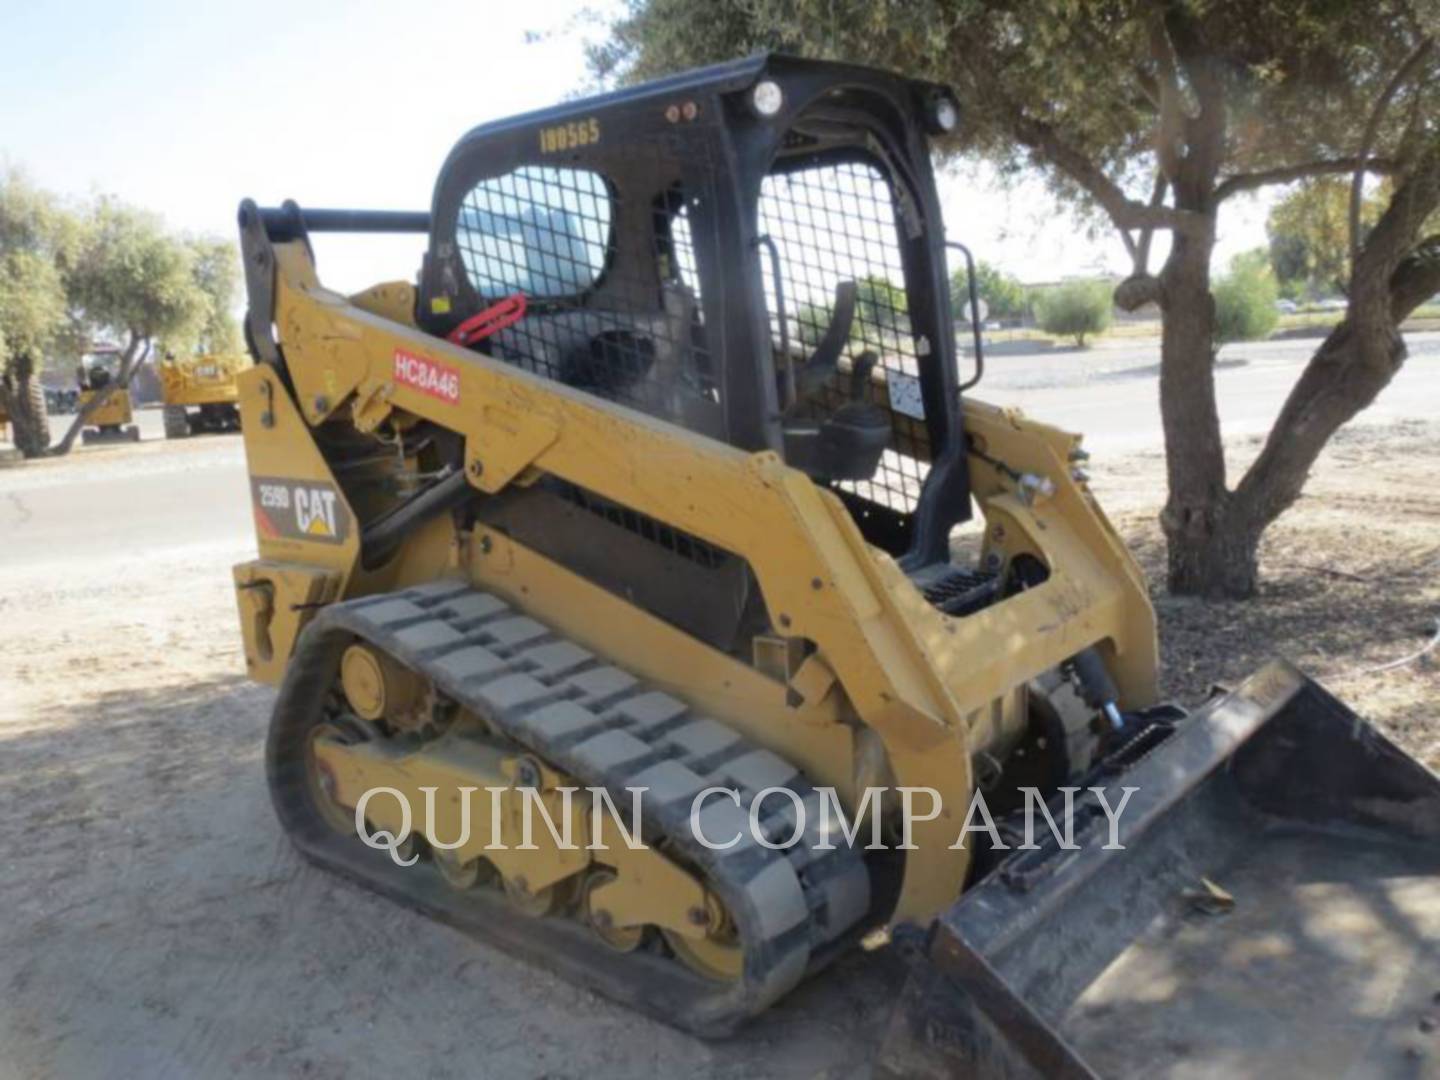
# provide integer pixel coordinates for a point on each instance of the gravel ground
(158, 924)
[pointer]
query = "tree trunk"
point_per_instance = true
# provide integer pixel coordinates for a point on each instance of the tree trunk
(1210, 548)
(24, 401)
(128, 364)
(1344, 376)
(1218, 556)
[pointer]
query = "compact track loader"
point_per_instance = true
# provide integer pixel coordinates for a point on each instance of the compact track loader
(650, 486)
(113, 419)
(199, 394)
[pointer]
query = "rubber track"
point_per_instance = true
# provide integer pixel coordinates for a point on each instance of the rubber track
(794, 909)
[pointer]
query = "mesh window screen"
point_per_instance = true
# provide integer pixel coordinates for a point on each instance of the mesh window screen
(682, 243)
(835, 223)
(612, 307)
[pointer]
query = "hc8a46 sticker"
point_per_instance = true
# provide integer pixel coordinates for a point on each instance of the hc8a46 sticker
(428, 376)
(289, 509)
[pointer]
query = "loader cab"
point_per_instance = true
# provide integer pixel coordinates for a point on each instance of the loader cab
(97, 368)
(752, 251)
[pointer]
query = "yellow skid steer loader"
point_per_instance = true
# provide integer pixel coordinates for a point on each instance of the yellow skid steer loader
(607, 577)
(113, 419)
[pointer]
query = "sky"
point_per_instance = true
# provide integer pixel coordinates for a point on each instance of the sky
(187, 108)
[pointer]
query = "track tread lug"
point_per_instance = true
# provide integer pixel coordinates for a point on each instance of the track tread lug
(609, 751)
(672, 786)
(474, 608)
(393, 611)
(757, 770)
(844, 900)
(560, 724)
(702, 739)
(513, 691)
(653, 712)
(777, 897)
(554, 659)
(720, 820)
(429, 636)
(513, 632)
(471, 662)
(598, 687)
(433, 591)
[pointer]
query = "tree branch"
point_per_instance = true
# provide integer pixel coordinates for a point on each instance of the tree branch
(1372, 127)
(1416, 279)
(1141, 252)
(1395, 239)
(1169, 130)
(1125, 212)
(1393, 274)
(1204, 126)
(1287, 174)
(1149, 87)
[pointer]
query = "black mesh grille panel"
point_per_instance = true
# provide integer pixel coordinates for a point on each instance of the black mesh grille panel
(833, 223)
(607, 266)
(656, 532)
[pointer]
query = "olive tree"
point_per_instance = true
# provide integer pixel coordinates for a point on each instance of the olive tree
(37, 241)
(135, 280)
(1155, 114)
(1076, 309)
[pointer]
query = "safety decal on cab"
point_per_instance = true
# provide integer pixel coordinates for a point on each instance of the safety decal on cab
(287, 509)
(428, 376)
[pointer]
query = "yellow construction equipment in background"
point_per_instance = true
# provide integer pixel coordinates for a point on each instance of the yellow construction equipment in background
(660, 482)
(200, 393)
(113, 420)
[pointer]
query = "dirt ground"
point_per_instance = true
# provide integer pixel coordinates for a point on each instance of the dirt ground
(157, 923)
(1350, 580)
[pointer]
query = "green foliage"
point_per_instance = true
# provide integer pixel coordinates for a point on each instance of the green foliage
(111, 270)
(1245, 300)
(216, 269)
(38, 238)
(1309, 233)
(1004, 296)
(1075, 309)
(133, 277)
(1299, 75)
(811, 322)
(880, 303)
(880, 312)
(32, 305)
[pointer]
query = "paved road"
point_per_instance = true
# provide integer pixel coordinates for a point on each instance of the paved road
(1111, 392)
(195, 491)
(125, 498)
